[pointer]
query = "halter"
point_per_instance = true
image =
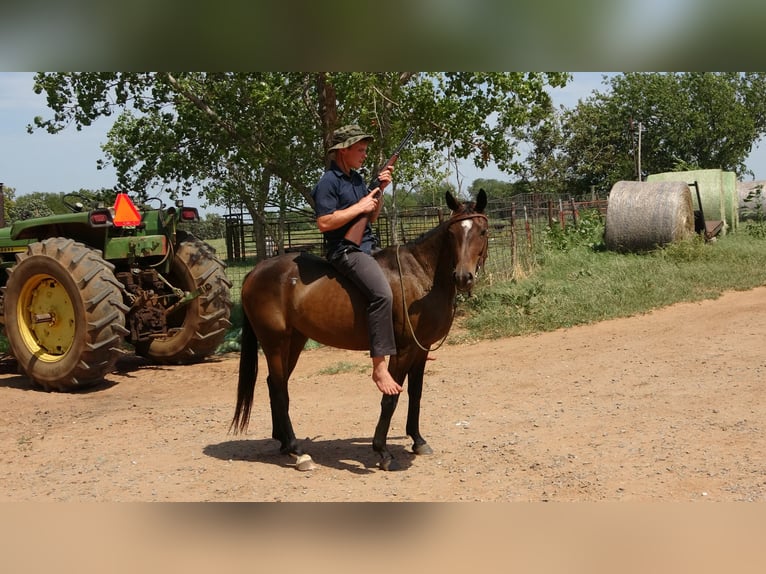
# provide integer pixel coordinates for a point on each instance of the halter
(482, 258)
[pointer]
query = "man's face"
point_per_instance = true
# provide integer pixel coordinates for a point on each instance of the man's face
(355, 155)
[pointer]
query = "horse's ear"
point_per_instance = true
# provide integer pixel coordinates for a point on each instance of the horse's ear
(451, 202)
(481, 201)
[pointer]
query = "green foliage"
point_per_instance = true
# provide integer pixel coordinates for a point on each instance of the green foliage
(497, 189)
(545, 169)
(212, 226)
(343, 367)
(756, 228)
(588, 232)
(243, 136)
(687, 250)
(684, 119)
(428, 193)
(232, 342)
(28, 207)
(756, 225)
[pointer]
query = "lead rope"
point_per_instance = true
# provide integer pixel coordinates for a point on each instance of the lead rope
(406, 314)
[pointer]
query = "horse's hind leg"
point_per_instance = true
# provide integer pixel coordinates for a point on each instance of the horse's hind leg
(281, 363)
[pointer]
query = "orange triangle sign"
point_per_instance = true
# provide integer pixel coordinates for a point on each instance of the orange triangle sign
(125, 213)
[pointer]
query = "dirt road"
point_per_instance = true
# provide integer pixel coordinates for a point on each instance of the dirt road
(667, 406)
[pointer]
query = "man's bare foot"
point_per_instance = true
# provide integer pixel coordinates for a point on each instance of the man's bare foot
(383, 379)
(430, 357)
(388, 386)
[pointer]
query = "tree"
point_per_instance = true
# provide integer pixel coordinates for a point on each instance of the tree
(259, 139)
(8, 197)
(545, 169)
(495, 188)
(212, 226)
(29, 206)
(705, 119)
(43, 204)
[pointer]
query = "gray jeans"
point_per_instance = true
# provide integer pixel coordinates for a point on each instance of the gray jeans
(366, 274)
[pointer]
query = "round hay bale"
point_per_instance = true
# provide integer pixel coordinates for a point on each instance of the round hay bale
(642, 216)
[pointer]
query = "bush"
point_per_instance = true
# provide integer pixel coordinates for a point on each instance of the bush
(588, 232)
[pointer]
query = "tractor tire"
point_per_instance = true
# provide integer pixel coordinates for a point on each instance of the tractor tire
(197, 329)
(64, 315)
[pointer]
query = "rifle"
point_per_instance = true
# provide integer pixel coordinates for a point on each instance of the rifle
(355, 231)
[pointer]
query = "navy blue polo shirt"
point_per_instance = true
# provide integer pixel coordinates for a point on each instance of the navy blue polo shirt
(336, 190)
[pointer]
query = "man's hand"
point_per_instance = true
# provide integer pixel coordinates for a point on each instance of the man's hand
(369, 203)
(385, 177)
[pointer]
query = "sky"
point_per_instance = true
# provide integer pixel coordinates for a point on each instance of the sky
(66, 161)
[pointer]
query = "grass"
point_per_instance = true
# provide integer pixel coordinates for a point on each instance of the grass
(24, 443)
(576, 281)
(343, 367)
(584, 284)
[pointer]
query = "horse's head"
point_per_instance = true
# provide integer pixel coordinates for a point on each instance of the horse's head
(468, 231)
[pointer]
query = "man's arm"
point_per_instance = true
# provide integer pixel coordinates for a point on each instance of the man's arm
(369, 205)
(337, 219)
(355, 231)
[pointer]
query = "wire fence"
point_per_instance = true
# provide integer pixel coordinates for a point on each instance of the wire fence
(518, 231)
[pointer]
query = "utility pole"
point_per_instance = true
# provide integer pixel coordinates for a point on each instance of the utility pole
(638, 159)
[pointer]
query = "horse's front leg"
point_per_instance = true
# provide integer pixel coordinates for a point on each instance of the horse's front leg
(415, 392)
(387, 407)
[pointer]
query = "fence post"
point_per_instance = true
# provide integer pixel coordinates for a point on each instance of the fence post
(575, 214)
(550, 213)
(528, 229)
(562, 215)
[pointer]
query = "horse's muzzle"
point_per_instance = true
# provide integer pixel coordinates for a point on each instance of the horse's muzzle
(463, 280)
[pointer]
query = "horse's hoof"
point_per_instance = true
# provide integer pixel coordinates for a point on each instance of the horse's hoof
(304, 462)
(422, 449)
(389, 464)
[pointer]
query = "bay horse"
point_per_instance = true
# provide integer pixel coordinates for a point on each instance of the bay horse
(294, 297)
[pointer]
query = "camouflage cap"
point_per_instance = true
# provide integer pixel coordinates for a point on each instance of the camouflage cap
(347, 136)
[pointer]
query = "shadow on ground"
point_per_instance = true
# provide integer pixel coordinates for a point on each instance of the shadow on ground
(354, 455)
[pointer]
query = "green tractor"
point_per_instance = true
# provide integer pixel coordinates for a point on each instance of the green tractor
(78, 285)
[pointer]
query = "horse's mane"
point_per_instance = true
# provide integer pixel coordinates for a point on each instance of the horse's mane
(466, 208)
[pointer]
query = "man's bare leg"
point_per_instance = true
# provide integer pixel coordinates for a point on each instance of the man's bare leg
(386, 383)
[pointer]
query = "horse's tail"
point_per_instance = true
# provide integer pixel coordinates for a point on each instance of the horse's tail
(248, 372)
